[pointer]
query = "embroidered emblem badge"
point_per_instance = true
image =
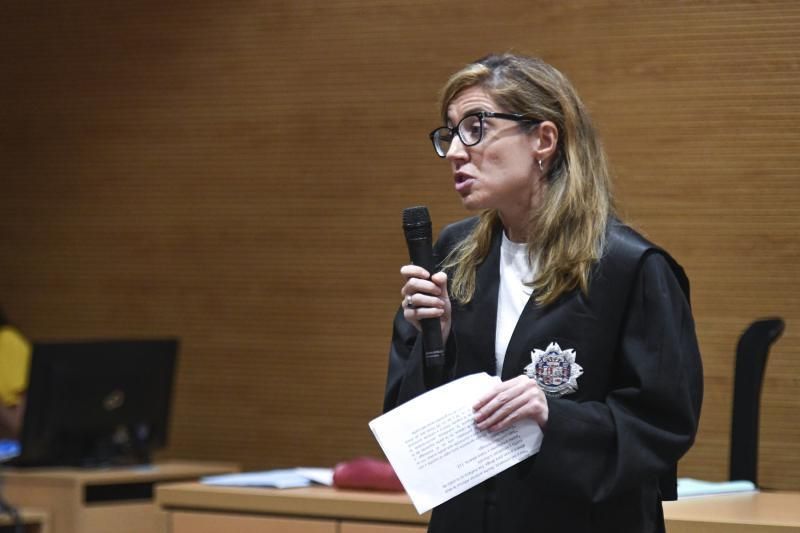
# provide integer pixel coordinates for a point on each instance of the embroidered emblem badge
(554, 370)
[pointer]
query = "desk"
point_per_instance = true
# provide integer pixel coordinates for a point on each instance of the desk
(101, 500)
(197, 508)
(755, 512)
(34, 522)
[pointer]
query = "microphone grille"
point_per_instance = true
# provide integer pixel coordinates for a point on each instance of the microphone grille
(417, 223)
(415, 216)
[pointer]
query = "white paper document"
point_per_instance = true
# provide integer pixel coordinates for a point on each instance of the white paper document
(437, 450)
(688, 487)
(281, 479)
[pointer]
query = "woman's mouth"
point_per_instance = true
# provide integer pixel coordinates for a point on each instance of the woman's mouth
(463, 182)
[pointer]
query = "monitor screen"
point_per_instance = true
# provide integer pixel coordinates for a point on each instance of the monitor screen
(96, 403)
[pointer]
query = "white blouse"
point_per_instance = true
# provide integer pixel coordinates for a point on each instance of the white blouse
(515, 271)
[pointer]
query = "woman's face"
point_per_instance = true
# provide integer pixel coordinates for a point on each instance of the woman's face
(500, 172)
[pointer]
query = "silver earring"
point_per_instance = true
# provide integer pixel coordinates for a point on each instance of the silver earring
(541, 165)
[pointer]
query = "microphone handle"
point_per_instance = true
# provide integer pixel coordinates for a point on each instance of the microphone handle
(421, 254)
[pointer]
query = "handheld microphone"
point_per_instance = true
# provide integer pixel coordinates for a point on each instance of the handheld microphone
(417, 227)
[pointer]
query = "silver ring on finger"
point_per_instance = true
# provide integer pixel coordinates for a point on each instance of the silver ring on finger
(409, 303)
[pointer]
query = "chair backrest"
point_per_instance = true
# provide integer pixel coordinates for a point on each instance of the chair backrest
(751, 360)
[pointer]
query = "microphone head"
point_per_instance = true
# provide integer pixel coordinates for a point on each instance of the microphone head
(414, 216)
(417, 222)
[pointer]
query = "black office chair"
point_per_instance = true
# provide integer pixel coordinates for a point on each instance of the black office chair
(751, 360)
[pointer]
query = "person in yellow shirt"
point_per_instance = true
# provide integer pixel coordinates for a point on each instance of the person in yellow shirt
(15, 355)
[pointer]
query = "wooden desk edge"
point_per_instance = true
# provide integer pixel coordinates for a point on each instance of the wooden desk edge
(318, 502)
(761, 509)
(175, 470)
(325, 502)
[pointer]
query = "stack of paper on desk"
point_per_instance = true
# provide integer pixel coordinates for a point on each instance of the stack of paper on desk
(694, 487)
(437, 450)
(280, 479)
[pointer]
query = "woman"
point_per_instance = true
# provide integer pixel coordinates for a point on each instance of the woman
(587, 323)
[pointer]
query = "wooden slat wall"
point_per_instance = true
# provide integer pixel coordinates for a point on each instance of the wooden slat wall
(234, 173)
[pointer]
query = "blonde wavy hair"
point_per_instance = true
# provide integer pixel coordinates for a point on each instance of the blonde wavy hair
(566, 234)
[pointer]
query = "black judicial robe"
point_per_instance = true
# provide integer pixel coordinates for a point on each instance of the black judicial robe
(610, 449)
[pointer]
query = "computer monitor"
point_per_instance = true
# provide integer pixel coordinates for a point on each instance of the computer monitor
(97, 403)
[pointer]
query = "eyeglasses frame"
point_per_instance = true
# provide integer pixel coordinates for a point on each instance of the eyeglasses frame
(482, 115)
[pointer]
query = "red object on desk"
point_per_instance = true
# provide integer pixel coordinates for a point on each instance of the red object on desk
(366, 473)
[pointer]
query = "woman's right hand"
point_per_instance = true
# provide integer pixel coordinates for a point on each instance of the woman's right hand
(425, 296)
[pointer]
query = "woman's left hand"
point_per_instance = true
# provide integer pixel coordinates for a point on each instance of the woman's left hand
(510, 401)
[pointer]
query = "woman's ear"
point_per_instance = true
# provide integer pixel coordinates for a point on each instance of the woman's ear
(545, 140)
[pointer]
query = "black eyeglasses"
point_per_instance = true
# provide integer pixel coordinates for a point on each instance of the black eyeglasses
(470, 130)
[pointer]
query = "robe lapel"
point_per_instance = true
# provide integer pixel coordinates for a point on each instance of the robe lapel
(517, 352)
(538, 326)
(478, 323)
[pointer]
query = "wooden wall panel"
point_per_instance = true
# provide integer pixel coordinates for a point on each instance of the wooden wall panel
(234, 173)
